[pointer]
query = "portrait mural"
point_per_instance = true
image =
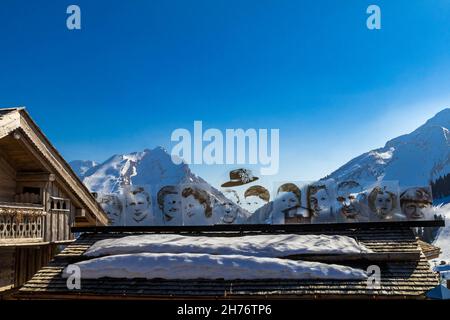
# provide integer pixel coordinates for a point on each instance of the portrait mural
(287, 207)
(350, 203)
(319, 202)
(112, 205)
(383, 202)
(320, 199)
(416, 203)
(197, 205)
(255, 197)
(228, 210)
(232, 195)
(138, 206)
(169, 204)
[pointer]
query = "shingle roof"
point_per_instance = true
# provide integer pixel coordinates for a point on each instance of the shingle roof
(405, 273)
(430, 251)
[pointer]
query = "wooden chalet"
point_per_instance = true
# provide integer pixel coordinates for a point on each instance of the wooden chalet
(41, 198)
(405, 272)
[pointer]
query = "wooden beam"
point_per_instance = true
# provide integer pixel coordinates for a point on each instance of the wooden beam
(4, 163)
(266, 227)
(18, 241)
(34, 176)
(359, 257)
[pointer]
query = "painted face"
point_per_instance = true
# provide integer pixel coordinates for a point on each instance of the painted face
(349, 206)
(138, 205)
(252, 203)
(320, 201)
(171, 206)
(193, 211)
(414, 210)
(232, 196)
(288, 202)
(229, 212)
(383, 205)
(113, 208)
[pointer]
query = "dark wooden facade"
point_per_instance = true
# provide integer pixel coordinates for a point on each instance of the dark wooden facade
(40, 199)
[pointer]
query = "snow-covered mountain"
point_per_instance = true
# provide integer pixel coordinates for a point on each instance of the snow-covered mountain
(413, 159)
(152, 170)
(149, 167)
(82, 166)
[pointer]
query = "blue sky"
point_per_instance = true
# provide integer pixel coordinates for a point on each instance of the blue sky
(140, 69)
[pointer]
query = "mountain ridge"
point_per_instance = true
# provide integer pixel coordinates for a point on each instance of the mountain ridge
(425, 151)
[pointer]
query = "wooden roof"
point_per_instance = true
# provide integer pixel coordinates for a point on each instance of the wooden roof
(405, 273)
(430, 251)
(36, 153)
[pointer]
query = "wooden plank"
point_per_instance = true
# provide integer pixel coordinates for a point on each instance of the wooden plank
(23, 241)
(7, 180)
(5, 168)
(6, 269)
(54, 226)
(33, 176)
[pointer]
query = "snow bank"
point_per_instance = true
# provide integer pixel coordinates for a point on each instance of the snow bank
(259, 246)
(443, 238)
(205, 266)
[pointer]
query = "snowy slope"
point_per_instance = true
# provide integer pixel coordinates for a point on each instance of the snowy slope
(149, 167)
(413, 159)
(443, 237)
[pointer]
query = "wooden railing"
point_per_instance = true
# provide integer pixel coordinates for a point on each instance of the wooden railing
(21, 222)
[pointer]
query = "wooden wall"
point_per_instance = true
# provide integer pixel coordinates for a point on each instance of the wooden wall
(29, 260)
(7, 181)
(6, 268)
(58, 221)
(19, 264)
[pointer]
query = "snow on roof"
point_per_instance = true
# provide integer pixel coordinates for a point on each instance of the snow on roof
(274, 245)
(205, 266)
(415, 278)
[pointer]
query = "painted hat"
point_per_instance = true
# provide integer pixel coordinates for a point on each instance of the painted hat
(240, 177)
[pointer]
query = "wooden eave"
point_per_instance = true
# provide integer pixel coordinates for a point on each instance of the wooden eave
(18, 121)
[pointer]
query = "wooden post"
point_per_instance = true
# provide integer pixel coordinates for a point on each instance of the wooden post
(448, 283)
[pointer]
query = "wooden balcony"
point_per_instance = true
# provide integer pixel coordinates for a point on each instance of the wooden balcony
(21, 223)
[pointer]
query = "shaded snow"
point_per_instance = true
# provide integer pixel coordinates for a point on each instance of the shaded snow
(443, 237)
(205, 266)
(258, 246)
